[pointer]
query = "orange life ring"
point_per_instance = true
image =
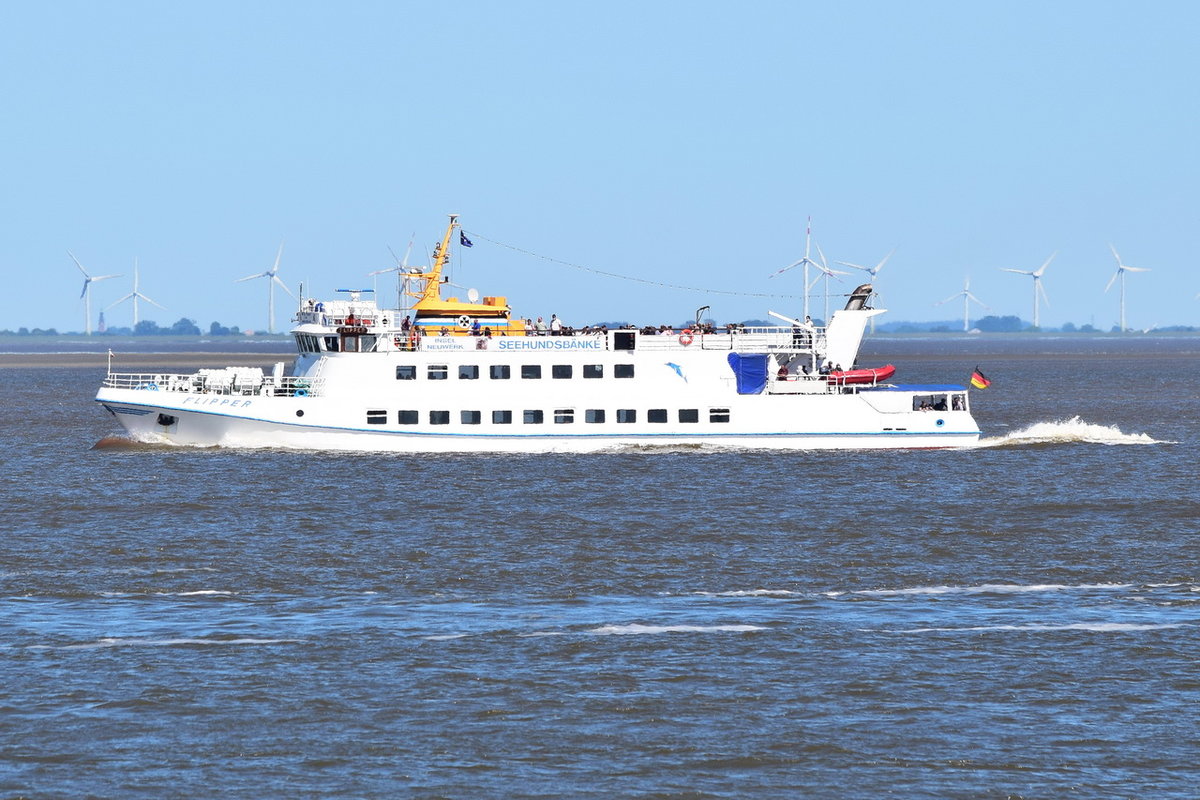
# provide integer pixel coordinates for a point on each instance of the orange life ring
(685, 338)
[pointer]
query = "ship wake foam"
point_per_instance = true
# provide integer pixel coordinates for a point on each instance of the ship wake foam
(1069, 431)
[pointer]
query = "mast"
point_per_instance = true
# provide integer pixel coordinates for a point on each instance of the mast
(432, 292)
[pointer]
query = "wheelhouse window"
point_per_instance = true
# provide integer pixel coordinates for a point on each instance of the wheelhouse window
(439, 417)
(500, 372)
(560, 371)
(502, 418)
(593, 415)
(406, 372)
(622, 370)
(689, 415)
(376, 417)
(331, 344)
(656, 415)
(564, 416)
(437, 372)
(593, 370)
(531, 371)
(468, 372)
(469, 417)
(533, 416)
(626, 415)
(718, 415)
(407, 417)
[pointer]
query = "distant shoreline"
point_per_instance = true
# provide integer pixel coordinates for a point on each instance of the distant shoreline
(135, 362)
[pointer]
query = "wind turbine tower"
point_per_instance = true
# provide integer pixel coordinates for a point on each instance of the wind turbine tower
(1120, 273)
(823, 271)
(967, 297)
(272, 276)
(86, 294)
(135, 295)
(1037, 285)
(805, 262)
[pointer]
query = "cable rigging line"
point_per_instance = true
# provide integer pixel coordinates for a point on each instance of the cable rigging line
(594, 271)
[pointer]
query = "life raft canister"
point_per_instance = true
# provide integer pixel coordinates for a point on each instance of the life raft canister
(685, 338)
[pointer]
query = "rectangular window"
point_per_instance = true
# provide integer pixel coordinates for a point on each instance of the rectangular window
(376, 417)
(407, 417)
(656, 415)
(529, 371)
(624, 340)
(689, 415)
(469, 417)
(502, 418)
(437, 372)
(500, 372)
(718, 415)
(439, 417)
(626, 415)
(564, 416)
(468, 372)
(331, 344)
(406, 372)
(622, 370)
(593, 415)
(560, 371)
(533, 416)
(593, 370)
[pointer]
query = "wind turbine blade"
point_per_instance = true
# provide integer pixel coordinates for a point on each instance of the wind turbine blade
(152, 302)
(408, 250)
(252, 277)
(948, 299)
(1115, 254)
(785, 269)
(283, 285)
(106, 277)
(278, 255)
(1042, 268)
(856, 266)
(815, 281)
(1137, 269)
(824, 263)
(977, 300)
(1112, 280)
(1042, 289)
(117, 303)
(1018, 271)
(76, 260)
(879, 266)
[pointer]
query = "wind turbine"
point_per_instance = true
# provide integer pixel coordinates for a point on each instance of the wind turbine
(824, 272)
(86, 294)
(402, 268)
(873, 272)
(1121, 270)
(1037, 285)
(135, 295)
(967, 297)
(805, 262)
(272, 276)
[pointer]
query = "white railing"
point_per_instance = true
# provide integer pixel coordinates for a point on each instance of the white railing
(215, 383)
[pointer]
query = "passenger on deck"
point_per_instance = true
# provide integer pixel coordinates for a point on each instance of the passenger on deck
(940, 405)
(541, 327)
(782, 375)
(556, 325)
(406, 324)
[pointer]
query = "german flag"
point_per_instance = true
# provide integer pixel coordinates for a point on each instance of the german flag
(979, 380)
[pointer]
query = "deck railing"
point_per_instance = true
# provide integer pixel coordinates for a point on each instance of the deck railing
(216, 382)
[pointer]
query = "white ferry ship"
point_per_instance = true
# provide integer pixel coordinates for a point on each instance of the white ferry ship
(455, 376)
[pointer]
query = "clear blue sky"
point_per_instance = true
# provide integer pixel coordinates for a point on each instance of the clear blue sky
(682, 142)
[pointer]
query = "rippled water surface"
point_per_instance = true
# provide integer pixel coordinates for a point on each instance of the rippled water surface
(1019, 619)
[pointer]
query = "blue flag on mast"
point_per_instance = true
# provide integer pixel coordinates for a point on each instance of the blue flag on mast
(463, 240)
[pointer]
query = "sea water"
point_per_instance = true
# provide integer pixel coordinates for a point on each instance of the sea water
(1018, 619)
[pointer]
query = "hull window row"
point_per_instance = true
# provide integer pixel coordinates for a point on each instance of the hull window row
(536, 416)
(503, 372)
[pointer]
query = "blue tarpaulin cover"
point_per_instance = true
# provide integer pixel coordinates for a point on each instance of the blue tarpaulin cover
(751, 372)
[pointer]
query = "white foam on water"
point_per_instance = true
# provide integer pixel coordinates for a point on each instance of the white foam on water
(124, 642)
(639, 629)
(750, 593)
(991, 588)
(444, 637)
(198, 592)
(1069, 431)
(1094, 627)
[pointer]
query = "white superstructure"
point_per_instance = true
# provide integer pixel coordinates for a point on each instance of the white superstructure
(466, 377)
